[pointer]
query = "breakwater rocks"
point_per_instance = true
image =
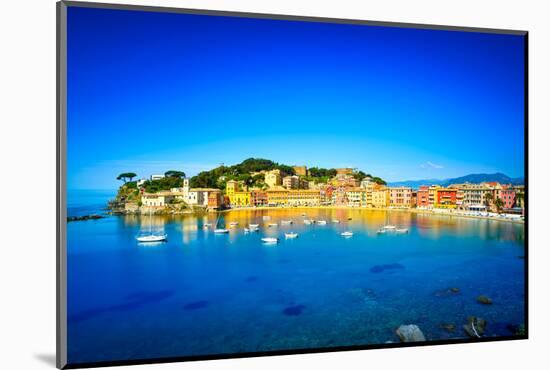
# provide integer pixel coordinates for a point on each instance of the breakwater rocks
(84, 218)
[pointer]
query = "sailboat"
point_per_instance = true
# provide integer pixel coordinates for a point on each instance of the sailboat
(219, 231)
(151, 237)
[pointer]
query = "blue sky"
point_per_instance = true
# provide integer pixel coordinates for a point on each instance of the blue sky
(150, 92)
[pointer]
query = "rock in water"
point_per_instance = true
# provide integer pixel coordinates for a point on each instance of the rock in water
(475, 327)
(448, 327)
(484, 299)
(410, 333)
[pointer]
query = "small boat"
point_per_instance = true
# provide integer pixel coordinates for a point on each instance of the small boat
(206, 226)
(308, 222)
(271, 224)
(389, 227)
(381, 231)
(152, 238)
(291, 235)
(221, 231)
(321, 222)
(286, 222)
(335, 221)
(402, 231)
(246, 230)
(233, 223)
(253, 226)
(270, 240)
(347, 234)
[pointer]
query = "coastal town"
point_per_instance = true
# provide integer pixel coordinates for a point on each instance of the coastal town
(344, 189)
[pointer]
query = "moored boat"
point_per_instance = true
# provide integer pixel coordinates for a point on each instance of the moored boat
(335, 221)
(347, 234)
(151, 238)
(286, 222)
(402, 231)
(272, 224)
(321, 222)
(270, 240)
(221, 231)
(291, 235)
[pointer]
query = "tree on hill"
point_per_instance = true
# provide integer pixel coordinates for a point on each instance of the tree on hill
(359, 175)
(174, 173)
(126, 176)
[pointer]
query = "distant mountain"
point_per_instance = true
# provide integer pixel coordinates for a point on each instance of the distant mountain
(473, 178)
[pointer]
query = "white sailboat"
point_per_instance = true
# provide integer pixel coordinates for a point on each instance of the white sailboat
(219, 231)
(150, 236)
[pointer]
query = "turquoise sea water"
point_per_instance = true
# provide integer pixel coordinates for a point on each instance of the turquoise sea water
(201, 293)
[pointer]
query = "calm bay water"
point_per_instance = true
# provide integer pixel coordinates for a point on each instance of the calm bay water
(201, 293)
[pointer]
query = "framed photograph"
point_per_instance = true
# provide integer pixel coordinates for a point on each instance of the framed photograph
(236, 185)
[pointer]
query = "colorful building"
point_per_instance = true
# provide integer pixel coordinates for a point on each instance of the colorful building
(258, 198)
(445, 198)
(215, 199)
(160, 199)
(291, 182)
(422, 199)
(508, 197)
(304, 197)
(272, 178)
(380, 198)
(400, 197)
(356, 197)
(277, 197)
(300, 170)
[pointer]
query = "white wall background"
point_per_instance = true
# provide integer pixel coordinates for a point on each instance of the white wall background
(27, 148)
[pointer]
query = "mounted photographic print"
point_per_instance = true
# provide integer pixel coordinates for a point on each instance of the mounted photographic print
(235, 185)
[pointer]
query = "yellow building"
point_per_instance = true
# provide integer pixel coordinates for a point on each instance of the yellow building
(240, 199)
(277, 197)
(273, 178)
(304, 197)
(380, 198)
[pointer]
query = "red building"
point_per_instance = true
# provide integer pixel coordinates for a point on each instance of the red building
(508, 197)
(422, 198)
(446, 198)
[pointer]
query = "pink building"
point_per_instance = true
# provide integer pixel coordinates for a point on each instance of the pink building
(422, 196)
(508, 197)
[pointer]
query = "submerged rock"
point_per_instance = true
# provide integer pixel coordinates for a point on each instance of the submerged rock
(84, 218)
(195, 305)
(447, 292)
(516, 329)
(448, 327)
(475, 327)
(390, 266)
(294, 310)
(410, 333)
(484, 300)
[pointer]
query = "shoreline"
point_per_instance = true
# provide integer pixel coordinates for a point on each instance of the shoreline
(405, 210)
